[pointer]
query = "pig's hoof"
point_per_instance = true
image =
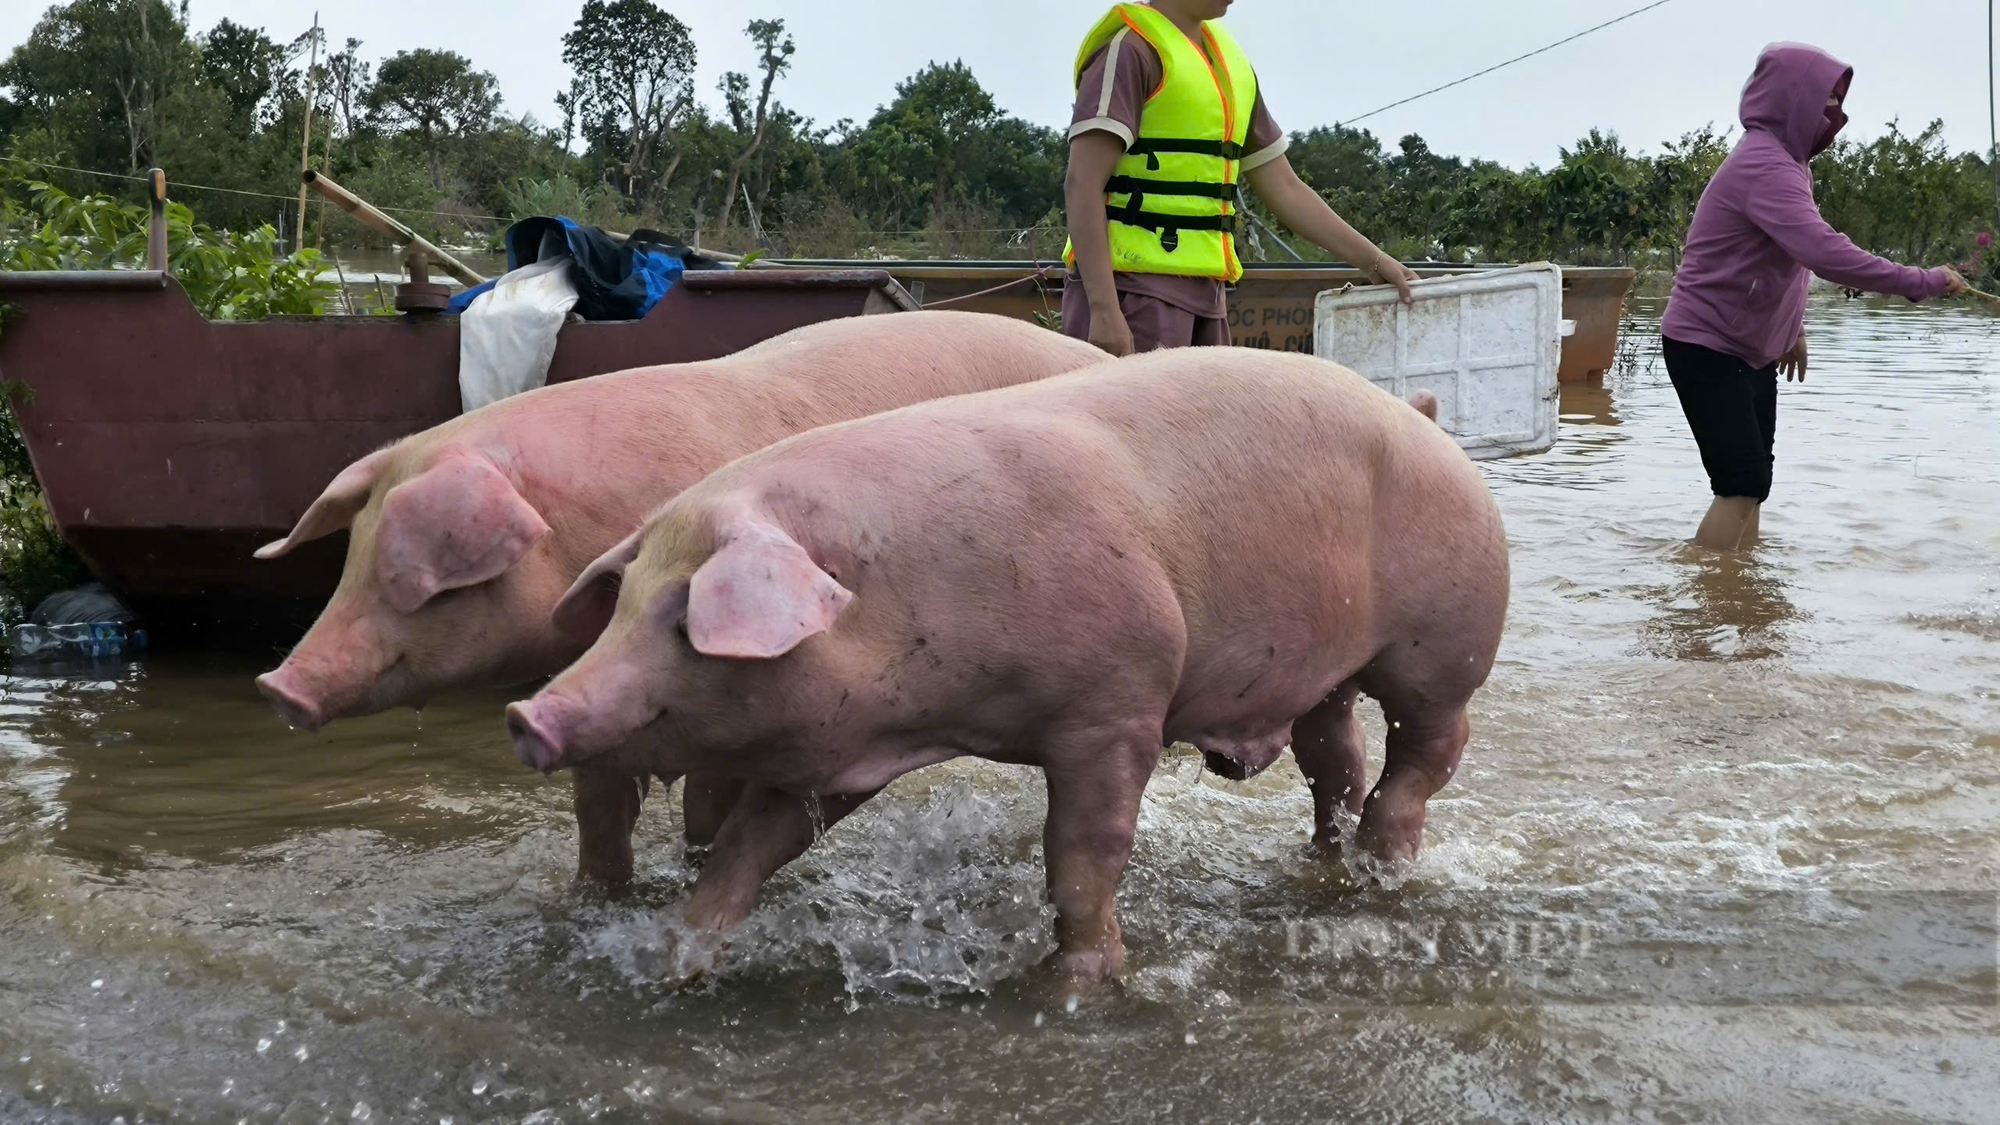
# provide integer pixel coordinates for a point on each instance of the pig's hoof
(684, 959)
(607, 885)
(1328, 869)
(1087, 966)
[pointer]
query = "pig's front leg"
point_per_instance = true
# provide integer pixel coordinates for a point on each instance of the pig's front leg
(607, 808)
(1094, 791)
(766, 830)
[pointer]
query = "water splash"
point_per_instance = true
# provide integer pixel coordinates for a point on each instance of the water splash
(916, 900)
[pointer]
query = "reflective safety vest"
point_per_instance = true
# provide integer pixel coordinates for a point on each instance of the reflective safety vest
(1172, 196)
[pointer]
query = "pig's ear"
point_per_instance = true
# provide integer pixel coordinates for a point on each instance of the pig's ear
(584, 612)
(759, 596)
(337, 506)
(457, 524)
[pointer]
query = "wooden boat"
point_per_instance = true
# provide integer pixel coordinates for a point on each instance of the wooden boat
(170, 446)
(1272, 307)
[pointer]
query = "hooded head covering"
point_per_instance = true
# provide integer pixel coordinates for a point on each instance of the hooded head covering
(1742, 283)
(1786, 97)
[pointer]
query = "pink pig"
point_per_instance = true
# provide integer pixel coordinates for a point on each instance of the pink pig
(1212, 545)
(465, 536)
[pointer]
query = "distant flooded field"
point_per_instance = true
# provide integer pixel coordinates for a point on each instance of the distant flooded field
(1724, 848)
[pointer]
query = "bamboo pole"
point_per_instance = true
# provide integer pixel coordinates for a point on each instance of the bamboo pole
(375, 219)
(306, 140)
(156, 220)
(325, 162)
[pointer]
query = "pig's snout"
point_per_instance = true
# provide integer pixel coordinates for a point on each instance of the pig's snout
(536, 740)
(298, 712)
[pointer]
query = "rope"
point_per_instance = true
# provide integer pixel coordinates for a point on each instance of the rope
(232, 191)
(1041, 274)
(1504, 65)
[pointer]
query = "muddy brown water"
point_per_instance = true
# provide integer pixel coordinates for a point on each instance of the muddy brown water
(1723, 849)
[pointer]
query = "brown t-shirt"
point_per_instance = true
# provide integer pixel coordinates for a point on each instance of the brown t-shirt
(1113, 91)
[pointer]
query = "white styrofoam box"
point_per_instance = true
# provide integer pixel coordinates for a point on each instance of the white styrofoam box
(1487, 344)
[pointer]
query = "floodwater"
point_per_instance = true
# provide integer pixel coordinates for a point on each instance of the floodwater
(1723, 849)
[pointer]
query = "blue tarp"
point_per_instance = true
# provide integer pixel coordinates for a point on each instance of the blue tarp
(614, 280)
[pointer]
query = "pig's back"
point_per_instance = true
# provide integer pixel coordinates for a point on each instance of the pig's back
(604, 451)
(1249, 526)
(859, 366)
(1308, 521)
(1248, 474)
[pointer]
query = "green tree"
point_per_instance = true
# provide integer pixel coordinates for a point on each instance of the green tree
(1679, 175)
(944, 141)
(635, 65)
(96, 73)
(438, 96)
(244, 64)
(776, 50)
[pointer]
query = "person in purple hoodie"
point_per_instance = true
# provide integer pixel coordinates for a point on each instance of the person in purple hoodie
(1736, 317)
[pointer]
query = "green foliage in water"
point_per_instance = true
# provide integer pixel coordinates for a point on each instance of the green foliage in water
(229, 276)
(34, 560)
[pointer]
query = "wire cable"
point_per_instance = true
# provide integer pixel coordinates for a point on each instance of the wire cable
(230, 191)
(1504, 65)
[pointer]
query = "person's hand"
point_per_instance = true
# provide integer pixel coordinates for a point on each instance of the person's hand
(1954, 282)
(1109, 331)
(1793, 362)
(1385, 270)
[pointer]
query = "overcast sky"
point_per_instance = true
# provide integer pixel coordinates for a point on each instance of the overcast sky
(1649, 79)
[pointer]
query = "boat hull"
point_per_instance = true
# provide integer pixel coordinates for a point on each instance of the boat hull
(170, 446)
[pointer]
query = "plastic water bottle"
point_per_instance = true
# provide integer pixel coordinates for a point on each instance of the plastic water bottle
(93, 640)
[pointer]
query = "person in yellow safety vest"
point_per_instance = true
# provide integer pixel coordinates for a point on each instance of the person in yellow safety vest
(1168, 118)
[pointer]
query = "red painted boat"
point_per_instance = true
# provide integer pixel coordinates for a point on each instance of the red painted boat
(171, 446)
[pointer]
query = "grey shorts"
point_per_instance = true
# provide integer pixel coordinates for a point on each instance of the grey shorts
(1154, 323)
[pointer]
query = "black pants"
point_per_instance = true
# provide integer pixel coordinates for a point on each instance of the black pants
(1733, 410)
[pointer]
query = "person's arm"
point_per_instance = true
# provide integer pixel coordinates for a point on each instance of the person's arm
(1782, 207)
(1092, 157)
(1299, 207)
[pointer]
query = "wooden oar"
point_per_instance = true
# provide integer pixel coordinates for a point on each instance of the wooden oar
(1981, 293)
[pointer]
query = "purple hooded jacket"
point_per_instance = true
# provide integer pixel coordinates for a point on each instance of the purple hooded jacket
(1741, 289)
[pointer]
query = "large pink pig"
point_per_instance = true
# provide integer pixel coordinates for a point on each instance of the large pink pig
(1212, 545)
(465, 536)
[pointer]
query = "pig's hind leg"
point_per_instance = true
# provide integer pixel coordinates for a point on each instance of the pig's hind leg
(1328, 746)
(1424, 695)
